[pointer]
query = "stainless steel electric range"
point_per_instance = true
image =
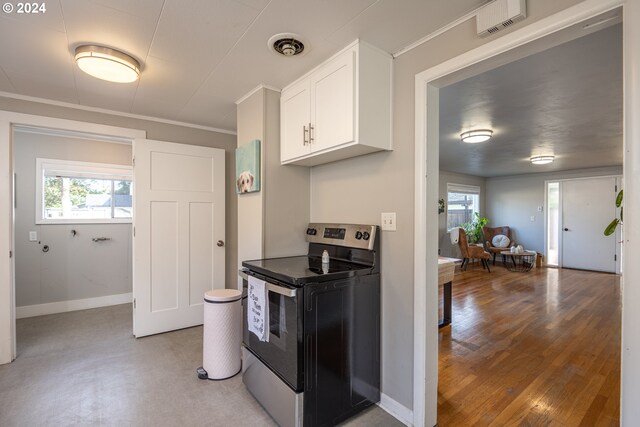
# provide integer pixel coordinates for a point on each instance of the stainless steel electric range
(321, 363)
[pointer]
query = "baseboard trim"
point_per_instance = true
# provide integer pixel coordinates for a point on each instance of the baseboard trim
(397, 410)
(74, 305)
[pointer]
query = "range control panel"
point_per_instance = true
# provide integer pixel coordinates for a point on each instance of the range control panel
(349, 235)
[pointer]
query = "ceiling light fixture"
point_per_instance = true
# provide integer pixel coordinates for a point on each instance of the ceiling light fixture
(475, 136)
(107, 64)
(542, 160)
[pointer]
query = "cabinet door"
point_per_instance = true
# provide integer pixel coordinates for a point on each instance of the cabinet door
(295, 118)
(333, 103)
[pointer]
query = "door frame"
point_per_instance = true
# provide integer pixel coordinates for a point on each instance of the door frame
(426, 168)
(618, 235)
(9, 119)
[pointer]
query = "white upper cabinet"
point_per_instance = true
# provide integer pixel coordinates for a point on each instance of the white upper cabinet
(340, 109)
(295, 118)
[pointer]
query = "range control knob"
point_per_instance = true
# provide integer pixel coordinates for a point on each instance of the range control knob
(358, 235)
(311, 231)
(365, 235)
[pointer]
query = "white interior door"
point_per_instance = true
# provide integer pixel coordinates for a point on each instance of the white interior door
(178, 222)
(588, 206)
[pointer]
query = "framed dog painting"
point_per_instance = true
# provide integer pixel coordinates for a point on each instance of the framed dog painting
(248, 167)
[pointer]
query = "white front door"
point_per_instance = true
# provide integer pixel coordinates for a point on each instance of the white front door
(178, 222)
(588, 206)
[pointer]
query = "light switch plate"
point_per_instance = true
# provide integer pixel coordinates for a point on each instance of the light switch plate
(388, 221)
(33, 236)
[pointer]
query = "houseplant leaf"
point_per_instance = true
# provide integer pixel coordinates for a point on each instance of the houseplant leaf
(619, 199)
(611, 228)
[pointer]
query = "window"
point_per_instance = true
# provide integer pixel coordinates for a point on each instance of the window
(81, 192)
(553, 223)
(462, 202)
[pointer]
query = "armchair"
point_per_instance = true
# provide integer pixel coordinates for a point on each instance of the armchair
(490, 233)
(472, 252)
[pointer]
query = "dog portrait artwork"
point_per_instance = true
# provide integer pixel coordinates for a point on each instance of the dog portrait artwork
(245, 182)
(248, 167)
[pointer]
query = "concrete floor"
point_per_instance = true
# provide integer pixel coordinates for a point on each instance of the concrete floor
(85, 368)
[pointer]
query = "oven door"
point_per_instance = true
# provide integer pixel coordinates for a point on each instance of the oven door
(283, 352)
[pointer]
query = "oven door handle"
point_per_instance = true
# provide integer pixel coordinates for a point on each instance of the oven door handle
(290, 293)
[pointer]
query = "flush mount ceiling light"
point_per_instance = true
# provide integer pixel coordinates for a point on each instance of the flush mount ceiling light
(542, 160)
(107, 64)
(475, 136)
(286, 44)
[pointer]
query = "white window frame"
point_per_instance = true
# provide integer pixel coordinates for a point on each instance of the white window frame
(460, 188)
(80, 170)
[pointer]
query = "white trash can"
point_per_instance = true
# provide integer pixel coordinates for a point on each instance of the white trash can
(222, 333)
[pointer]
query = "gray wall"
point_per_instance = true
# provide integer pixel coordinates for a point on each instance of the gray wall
(444, 242)
(75, 267)
(271, 222)
(513, 200)
(359, 189)
(251, 123)
(163, 132)
(286, 193)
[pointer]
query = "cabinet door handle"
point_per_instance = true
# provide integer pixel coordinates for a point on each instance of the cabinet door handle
(310, 135)
(305, 131)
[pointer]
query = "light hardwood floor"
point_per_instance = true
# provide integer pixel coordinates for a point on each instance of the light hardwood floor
(531, 349)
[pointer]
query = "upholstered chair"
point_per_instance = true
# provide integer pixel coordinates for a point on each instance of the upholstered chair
(490, 233)
(472, 252)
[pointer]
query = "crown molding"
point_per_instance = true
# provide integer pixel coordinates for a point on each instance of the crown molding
(114, 113)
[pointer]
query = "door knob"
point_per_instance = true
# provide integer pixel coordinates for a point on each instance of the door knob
(220, 243)
(566, 229)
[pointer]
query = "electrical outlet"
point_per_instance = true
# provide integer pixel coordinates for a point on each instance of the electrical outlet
(33, 236)
(539, 208)
(533, 218)
(388, 221)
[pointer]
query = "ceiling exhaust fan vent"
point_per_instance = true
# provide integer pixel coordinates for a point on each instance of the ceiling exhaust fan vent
(499, 15)
(286, 44)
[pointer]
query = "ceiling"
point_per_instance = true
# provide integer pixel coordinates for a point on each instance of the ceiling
(197, 60)
(565, 101)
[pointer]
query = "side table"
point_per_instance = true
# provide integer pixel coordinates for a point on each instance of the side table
(519, 262)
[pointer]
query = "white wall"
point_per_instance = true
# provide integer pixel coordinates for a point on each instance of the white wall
(630, 387)
(513, 200)
(444, 241)
(74, 267)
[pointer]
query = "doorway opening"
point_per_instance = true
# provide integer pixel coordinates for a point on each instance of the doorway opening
(11, 125)
(178, 187)
(489, 306)
(428, 85)
(73, 195)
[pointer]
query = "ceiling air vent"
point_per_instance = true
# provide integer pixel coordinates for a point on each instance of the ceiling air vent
(499, 15)
(286, 44)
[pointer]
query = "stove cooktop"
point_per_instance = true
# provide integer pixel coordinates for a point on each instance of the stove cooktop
(299, 270)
